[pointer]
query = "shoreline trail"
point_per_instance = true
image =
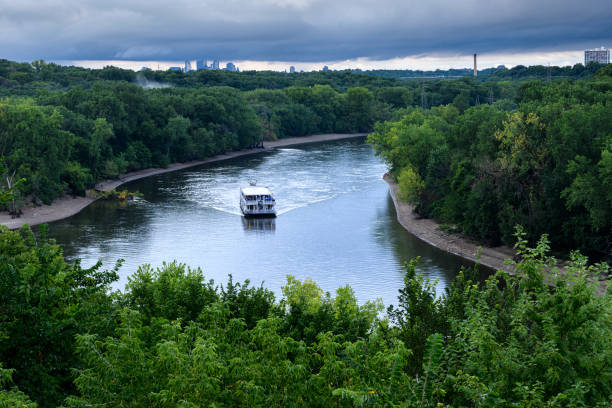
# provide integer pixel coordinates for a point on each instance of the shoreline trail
(428, 230)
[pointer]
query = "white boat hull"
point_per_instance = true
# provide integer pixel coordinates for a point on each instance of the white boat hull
(256, 211)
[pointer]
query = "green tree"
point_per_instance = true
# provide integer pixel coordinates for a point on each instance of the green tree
(45, 303)
(99, 152)
(9, 193)
(361, 113)
(34, 147)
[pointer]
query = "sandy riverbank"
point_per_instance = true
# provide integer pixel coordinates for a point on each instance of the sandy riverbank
(429, 231)
(65, 207)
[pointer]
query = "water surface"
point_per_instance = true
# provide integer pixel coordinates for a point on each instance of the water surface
(336, 224)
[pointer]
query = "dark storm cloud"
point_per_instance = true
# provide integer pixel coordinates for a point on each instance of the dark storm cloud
(294, 30)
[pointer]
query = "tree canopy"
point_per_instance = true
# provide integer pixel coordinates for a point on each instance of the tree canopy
(175, 338)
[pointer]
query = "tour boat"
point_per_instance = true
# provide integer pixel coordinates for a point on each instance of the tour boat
(257, 201)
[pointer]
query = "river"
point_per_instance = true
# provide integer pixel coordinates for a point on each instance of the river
(336, 224)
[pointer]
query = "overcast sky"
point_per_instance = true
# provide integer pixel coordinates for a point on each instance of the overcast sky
(270, 33)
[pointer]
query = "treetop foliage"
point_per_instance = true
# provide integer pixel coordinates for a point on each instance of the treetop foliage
(175, 339)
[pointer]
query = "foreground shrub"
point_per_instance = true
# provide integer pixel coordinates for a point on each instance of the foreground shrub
(538, 338)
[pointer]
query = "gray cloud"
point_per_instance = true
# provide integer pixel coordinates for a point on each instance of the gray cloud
(294, 30)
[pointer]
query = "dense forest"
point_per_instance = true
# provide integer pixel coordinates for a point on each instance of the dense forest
(173, 338)
(545, 165)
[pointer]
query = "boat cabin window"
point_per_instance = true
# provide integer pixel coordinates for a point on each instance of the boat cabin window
(264, 197)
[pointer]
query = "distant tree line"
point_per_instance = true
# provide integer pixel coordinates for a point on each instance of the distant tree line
(518, 72)
(546, 164)
(174, 338)
(28, 78)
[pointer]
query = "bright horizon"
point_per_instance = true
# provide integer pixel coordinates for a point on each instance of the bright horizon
(421, 62)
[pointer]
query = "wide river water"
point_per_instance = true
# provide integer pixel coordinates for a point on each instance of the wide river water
(336, 224)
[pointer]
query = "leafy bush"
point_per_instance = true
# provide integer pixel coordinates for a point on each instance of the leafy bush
(77, 178)
(45, 303)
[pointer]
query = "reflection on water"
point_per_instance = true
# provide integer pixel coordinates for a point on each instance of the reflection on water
(259, 225)
(336, 224)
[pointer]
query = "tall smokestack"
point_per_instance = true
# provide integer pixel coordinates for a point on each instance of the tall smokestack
(475, 69)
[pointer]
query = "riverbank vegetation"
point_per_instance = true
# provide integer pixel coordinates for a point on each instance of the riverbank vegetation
(115, 195)
(63, 129)
(173, 338)
(545, 164)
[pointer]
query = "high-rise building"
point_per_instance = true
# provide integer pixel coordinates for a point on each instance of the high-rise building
(187, 66)
(292, 69)
(201, 64)
(601, 55)
(230, 67)
(325, 68)
(215, 64)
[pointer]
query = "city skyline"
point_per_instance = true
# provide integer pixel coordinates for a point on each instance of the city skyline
(424, 62)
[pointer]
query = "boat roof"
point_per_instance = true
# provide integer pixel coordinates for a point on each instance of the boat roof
(255, 191)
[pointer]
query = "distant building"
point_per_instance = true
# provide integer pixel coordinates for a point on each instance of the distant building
(175, 69)
(201, 64)
(231, 67)
(143, 69)
(187, 66)
(325, 68)
(501, 67)
(601, 55)
(215, 64)
(292, 69)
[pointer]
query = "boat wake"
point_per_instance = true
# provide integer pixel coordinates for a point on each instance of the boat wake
(297, 178)
(281, 210)
(225, 210)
